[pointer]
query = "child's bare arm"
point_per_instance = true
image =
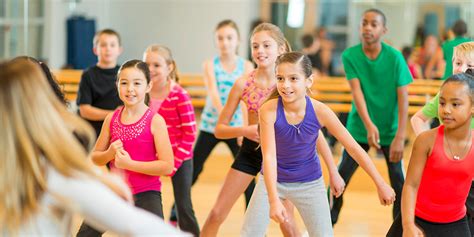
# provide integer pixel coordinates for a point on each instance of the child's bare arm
(336, 182)
(329, 119)
(92, 113)
(223, 130)
(373, 136)
(421, 150)
(104, 152)
(419, 122)
(398, 142)
(267, 120)
(210, 82)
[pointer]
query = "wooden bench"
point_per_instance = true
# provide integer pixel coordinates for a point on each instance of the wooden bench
(69, 81)
(333, 91)
(336, 93)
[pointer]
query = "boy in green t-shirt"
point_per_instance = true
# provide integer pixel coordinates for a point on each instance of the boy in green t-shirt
(378, 76)
(462, 60)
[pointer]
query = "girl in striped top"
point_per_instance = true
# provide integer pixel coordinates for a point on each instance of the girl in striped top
(172, 102)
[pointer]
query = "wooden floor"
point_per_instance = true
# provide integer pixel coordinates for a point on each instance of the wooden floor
(362, 214)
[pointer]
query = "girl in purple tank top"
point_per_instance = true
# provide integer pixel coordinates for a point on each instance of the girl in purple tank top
(267, 43)
(290, 124)
(134, 141)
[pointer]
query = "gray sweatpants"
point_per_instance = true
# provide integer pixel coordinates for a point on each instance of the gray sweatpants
(309, 199)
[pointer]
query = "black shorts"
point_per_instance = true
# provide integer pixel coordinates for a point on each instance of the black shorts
(249, 158)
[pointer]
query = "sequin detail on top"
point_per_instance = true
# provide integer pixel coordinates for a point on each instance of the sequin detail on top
(127, 132)
(254, 96)
(138, 141)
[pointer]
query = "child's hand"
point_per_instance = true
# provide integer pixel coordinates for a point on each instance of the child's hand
(251, 132)
(116, 146)
(278, 212)
(412, 230)
(396, 150)
(122, 159)
(337, 184)
(386, 194)
(373, 136)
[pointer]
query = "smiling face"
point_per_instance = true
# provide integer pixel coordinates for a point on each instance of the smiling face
(132, 86)
(159, 68)
(455, 105)
(265, 49)
(372, 28)
(227, 40)
(291, 82)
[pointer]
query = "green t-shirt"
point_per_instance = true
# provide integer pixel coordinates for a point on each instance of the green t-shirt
(448, 50)
(379, 80)
(430, 110)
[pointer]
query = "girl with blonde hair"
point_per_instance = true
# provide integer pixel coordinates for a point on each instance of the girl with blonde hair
(46, 177)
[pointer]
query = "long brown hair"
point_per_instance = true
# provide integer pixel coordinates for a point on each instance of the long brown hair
(36, 133)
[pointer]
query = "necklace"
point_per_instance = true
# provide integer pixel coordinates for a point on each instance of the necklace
(297, 127)
(455, 157)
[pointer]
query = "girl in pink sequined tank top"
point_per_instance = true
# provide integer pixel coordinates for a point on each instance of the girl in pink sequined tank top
(134, 140)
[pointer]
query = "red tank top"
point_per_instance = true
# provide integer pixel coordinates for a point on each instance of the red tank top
(444, 185)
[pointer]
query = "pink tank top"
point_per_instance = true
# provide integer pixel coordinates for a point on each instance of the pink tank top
(138, 141)
(253, 96)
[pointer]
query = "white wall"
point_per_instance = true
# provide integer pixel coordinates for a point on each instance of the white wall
(186, 26)
(401, 21)
(403, 16)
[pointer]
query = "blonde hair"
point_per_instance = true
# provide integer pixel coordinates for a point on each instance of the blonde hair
(275, 33)
(464, 50)
(165, 52)
(37, 132)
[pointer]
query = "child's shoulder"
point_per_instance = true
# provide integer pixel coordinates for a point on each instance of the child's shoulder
(318, 105)
(352, 49)
(391, 50)
(270, 104)
(178, 90)
(242, 81)
(268, 109)
(427, 138)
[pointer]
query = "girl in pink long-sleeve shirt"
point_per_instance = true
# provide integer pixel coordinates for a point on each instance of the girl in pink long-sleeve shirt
(173, 103)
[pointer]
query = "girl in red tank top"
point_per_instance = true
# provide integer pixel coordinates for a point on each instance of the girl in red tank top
(441, 168)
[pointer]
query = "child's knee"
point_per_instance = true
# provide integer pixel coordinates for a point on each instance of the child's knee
(216, 216)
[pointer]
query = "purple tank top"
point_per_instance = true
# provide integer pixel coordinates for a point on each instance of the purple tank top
(297, 159)
(138, 141)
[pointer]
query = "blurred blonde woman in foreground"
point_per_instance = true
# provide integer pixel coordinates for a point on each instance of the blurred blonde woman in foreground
(46, 176)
